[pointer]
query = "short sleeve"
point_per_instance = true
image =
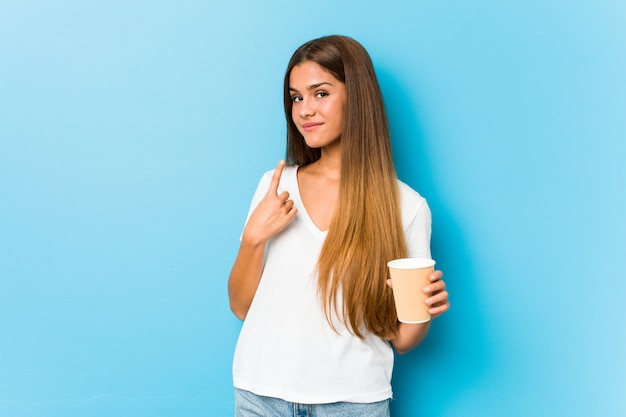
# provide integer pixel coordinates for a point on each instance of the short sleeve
(261, 190)
(416, 221)
(418, 233)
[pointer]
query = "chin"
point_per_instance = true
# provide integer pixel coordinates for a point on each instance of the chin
(317, 144)
(313, 145)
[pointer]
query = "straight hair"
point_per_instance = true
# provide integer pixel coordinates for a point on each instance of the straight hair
(366, 229)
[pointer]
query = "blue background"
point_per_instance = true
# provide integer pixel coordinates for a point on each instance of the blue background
(132, 135)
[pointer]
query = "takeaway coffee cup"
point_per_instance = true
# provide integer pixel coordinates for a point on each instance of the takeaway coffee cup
(409, 276)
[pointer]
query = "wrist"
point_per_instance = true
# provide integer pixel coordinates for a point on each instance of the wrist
(252, 241)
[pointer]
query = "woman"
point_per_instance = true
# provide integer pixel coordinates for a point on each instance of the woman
(310, 279)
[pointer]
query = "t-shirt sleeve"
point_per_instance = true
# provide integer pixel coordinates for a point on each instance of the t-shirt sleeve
(416, 221)
(261, 190)
(418, 232)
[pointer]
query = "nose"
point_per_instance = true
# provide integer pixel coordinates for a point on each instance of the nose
(306, 109)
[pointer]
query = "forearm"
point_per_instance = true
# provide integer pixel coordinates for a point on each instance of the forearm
(409, 336)
(245, 276)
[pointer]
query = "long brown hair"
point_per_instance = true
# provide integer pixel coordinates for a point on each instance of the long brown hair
(366, 231)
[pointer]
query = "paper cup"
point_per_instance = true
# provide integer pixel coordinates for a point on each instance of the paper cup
(409, 276)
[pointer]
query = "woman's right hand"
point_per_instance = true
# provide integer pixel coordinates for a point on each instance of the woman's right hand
(272, 214)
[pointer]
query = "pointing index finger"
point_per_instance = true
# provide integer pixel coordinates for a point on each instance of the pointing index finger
(276, 178)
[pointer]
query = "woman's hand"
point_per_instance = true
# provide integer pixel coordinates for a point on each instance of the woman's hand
(410, 335)
(438, 301)
(272, 214)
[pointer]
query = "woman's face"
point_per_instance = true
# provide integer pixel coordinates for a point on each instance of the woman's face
(318, 101)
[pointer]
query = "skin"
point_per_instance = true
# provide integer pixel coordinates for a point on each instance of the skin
(317, 111)
(411, 335)
(273, 213)
(318, 108)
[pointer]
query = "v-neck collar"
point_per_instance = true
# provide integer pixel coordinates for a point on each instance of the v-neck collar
(302, 209)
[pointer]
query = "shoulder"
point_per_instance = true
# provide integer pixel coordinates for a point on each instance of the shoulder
(412, 203)
(287, 177)
(287, 170)
(409, 197)
(288, 181)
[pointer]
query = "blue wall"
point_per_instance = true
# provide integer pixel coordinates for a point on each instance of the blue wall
(132, 135)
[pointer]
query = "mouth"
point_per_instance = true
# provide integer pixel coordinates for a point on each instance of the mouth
(308, 127)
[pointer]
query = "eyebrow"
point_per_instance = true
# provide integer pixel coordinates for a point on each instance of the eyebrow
(312, 86)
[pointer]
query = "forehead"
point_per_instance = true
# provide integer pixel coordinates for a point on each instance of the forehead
(310, 73)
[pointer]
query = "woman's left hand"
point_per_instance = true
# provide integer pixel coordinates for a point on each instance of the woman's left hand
(411, 335)
(438, 300)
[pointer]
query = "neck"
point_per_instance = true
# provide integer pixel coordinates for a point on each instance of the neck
(330, 161)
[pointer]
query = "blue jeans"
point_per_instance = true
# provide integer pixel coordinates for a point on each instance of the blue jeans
(248, 404)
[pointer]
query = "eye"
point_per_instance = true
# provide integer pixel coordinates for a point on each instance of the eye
(296, 99)
(321, 94)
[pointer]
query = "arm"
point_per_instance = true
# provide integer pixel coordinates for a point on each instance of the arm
(273, 213)
(410, 336)
(245, 277)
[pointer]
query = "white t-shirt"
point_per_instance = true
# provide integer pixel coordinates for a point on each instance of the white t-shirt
(286, 348)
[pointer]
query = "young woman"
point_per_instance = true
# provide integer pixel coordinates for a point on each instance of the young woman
(310, 280)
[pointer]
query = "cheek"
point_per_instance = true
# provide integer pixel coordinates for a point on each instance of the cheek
(294, 119)
(339, 118)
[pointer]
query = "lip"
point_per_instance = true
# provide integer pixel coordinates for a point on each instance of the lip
(308, 127)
